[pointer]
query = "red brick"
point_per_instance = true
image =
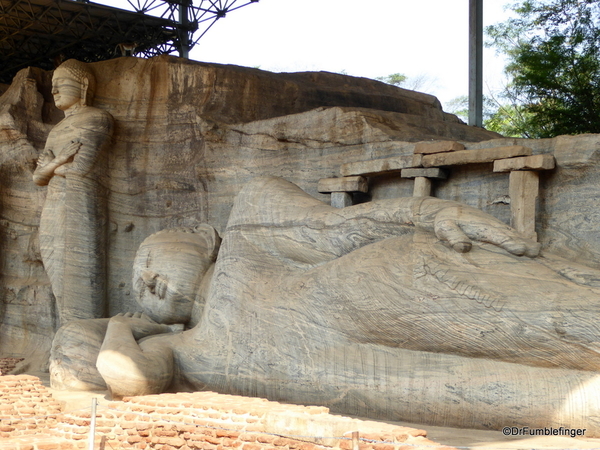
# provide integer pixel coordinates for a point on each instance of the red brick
(228, 433)
(249, 446)
(345, 444)
(127, 424)
(165, 433)
(207, 446)
(384, 447)
(302, 445)
(209, 432)
(174, 441)
(266, 438)
(213, 440)
(46, 445)
(134, 439)
(248, 437)
(279, 441)
(187, 428)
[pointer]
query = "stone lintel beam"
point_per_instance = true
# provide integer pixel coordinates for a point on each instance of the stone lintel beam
(482, 155)
(380, 166)
(523, 188)
(535, 162)
(428, 147)
(432, 172)
(344, 184)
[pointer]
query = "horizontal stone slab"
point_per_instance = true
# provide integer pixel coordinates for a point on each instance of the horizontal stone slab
(482, 155)
(381, 166)
(535, 162)
(345, 184)
(428, 147)
(432, 172)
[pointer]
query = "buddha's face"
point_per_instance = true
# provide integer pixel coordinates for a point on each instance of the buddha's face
(166, 281)
(66, 90)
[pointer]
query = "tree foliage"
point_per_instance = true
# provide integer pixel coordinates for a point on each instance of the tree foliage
(395, 79)
(554, 66)
(460, 107)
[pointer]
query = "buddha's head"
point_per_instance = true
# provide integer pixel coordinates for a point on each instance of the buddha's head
(168, 269)
(73, 85)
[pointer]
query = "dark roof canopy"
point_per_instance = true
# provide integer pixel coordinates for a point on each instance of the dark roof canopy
(41, 33)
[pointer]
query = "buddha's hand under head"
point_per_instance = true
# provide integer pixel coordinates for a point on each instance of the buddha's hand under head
(141, 325)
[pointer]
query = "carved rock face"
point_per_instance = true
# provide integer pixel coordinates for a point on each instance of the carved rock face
(66, 90)
(165, 293)
(168, 269)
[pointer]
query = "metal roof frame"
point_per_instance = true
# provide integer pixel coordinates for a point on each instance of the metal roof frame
(42, 33)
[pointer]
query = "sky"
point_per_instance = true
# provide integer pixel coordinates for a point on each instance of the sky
(368, 38)
(425, 40)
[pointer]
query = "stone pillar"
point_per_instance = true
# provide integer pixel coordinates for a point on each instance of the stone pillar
(422, 187)
(341, 199)
(523, 191)
(341, 189)
(423, 179)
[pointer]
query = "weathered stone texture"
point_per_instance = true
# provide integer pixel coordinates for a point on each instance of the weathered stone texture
(474, 156)
(438, 147)
(189, 136)
(535, 162)
(343, 184)
(431, 172)
(380, 166)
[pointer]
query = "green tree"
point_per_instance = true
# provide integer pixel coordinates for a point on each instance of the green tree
(395, 79)
(496, 117)
(422, 82)
(553, 48)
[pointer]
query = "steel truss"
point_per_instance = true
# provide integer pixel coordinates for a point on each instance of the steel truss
(41, 33)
